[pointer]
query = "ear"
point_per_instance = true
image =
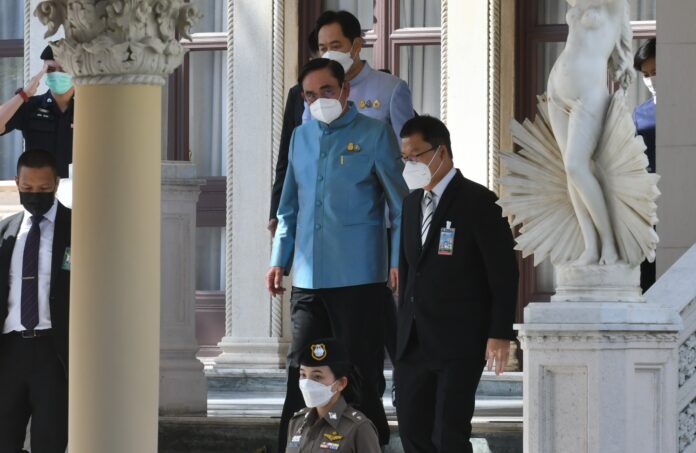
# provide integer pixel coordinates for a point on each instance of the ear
(341, 384)
(17, 181)
(346, 89)
(357, 47)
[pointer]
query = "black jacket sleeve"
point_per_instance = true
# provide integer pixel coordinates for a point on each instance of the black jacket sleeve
(292, 117)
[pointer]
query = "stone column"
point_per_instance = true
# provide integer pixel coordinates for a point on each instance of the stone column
(256, 336)
(183, 386)
(600, 377)
(119, 54)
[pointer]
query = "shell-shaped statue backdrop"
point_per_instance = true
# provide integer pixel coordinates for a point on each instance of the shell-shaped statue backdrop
(535, 192)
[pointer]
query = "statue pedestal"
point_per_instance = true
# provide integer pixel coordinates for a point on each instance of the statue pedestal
(595, 283)
(599, 377)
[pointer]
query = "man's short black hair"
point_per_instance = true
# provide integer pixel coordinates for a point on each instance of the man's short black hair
(47, 54)
(321, 63)
(313, 42)
(645, 52)
(37, 158)
(350, 25)
(430, 128)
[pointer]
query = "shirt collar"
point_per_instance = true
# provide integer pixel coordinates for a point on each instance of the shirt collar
(362, 75)
(342, 121)
(50, 214)
(333, 416)
(440, 187)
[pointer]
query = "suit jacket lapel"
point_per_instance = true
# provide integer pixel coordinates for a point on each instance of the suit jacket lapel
(8, 243)
(440, 211)
(58, 250)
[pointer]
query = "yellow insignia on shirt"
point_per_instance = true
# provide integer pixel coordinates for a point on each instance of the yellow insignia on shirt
(353, 147)
(333, 437)
(318, 352)
(362, 104)
(376, 104)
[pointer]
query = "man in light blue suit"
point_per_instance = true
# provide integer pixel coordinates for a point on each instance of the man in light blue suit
(343, 168)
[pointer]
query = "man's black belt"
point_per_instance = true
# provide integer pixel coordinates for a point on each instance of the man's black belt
(31, 333)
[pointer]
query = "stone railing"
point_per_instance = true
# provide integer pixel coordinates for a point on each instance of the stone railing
(677, 288)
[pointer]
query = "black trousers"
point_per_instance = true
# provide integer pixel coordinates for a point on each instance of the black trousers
(354, 315)
(32, 384)
(438, 399)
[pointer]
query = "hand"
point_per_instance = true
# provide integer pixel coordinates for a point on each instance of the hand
(272, 225)
(274, 280)
(497, 350)
(394, 280)
(34, 82)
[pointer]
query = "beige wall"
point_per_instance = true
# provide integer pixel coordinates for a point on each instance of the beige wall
(676, 134)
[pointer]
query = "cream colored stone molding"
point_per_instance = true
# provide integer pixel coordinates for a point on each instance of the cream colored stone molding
(494, 43)
(118, 41)
(277, 128)
(619, 338)
(687, 359)
(229, 230)
(444, 27)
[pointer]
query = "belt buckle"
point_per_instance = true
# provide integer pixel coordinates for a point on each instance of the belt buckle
(29, 334)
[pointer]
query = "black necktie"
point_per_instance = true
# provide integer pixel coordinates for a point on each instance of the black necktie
(30, 275)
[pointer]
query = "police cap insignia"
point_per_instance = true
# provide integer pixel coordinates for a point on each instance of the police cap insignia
(319, 351)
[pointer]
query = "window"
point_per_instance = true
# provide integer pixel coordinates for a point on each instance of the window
(402, 36)
(196, 131)
(542, 32)
(11, 78)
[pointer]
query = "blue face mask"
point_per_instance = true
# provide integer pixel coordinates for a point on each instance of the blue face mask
(59, 82)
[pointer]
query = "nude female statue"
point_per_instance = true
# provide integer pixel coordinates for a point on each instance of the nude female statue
(599, 39)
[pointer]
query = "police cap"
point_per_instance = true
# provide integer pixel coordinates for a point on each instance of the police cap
(324, 351)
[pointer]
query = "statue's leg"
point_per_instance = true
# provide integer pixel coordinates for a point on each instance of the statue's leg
(559, 117)
(584, 129)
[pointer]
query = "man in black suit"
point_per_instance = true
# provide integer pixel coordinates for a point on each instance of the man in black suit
(35, 282)
(458, 288)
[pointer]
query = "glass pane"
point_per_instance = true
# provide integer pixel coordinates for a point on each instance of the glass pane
(362, 9)
(547, 54)
(420, 13)
(12, 19)
(554, 11)
(214, 16)
(208, 111)
(210, 259)
(11, 145)
(419, 66)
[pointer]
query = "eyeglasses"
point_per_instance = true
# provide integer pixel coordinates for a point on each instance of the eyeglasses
(414, 157)
(329, 93)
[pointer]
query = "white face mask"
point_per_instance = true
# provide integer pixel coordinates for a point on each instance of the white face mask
(651, 84)
(315, 393)
(417, 174)
(326, 110)
(345, 59)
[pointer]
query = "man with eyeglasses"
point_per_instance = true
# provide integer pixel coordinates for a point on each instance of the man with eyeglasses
(457, 293)
(46, 120)
(343, 167)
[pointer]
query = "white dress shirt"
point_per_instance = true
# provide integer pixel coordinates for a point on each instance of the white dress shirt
(439, 189)
(14, 301)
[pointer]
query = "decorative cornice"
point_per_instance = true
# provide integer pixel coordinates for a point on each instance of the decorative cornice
(118, 41)
(596, 337)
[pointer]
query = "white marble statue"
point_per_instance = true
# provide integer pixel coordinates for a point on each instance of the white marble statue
(579, 187)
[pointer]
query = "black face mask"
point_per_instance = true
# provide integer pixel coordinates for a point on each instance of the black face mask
(37, 203)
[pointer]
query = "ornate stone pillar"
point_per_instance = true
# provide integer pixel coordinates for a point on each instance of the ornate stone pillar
(183, 387)
(119, 53)
(256, 336)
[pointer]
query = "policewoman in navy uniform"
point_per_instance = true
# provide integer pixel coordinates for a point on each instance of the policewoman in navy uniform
(330, 385)
(46, 120)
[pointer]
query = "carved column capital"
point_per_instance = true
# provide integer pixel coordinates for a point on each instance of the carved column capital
(118, 41)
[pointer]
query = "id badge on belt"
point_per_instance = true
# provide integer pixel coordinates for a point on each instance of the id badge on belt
(446, 246)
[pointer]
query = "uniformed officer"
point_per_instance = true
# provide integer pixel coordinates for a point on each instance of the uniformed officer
(330, 387)
(343, 167)
(46, 121)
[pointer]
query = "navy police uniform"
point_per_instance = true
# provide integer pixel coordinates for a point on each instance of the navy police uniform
(342, 428)
(44, 126)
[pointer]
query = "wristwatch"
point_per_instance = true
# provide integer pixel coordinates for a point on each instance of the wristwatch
(20, 91)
